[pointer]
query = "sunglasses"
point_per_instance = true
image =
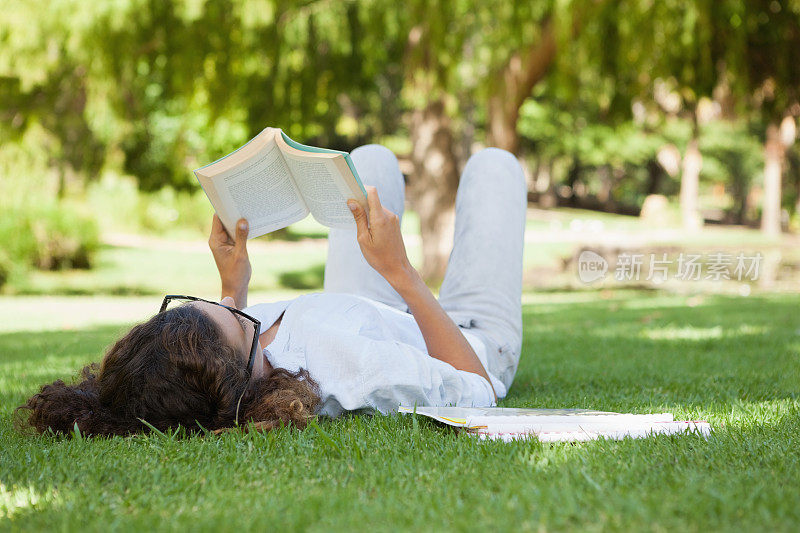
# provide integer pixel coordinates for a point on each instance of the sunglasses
(256, 323)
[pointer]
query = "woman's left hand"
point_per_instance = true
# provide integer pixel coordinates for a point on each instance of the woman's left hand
(231, 257)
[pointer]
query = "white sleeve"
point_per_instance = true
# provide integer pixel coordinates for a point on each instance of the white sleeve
(384, 374)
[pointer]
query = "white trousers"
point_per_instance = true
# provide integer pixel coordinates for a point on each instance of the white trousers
(482, 287)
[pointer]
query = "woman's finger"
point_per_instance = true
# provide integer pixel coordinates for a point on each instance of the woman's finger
(216, 225)
(219, 228)
(373, 200)
(219, 235)
(241, 235)
(360, 217)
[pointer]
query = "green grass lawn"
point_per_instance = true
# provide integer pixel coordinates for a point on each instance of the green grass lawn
(180, 261)
(180, 264)
(732, 361)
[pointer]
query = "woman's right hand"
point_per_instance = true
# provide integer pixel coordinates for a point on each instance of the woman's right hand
(380, 239)
(233, 262)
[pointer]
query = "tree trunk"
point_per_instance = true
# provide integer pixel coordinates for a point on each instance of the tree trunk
(502, 127)
(544, 185)
(62, 181)
(513, 85)
(654, 175)
(433, 186)
(771, 206)
(606, 186)
(739, 194)
(797, 186)
(690, 184)
(779, 138)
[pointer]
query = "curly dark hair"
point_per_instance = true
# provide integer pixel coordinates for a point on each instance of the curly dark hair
(173, 370)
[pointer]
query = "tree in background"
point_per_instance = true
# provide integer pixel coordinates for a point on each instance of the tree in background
(50, 94)
(195, 84)
(660, 55)
(765, 82)
(738, 53)
(468, 66)
(594, 88)
(695, 61)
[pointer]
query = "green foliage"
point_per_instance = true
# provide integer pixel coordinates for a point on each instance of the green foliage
(594, 152)
(615, 160)
(199, 82)
(635, 76)
(170, 86)
(152, 89)
(555, 133)
(48, 237)
(6, 267)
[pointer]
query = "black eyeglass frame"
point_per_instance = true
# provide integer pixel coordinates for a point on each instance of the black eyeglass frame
(256, 323)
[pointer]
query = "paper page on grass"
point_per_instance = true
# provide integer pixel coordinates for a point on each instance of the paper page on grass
(255, 183)
(586, 433)
(557, 425)
(510, 417)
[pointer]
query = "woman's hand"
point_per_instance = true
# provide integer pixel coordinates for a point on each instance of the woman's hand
(380, 239)
(232, 260)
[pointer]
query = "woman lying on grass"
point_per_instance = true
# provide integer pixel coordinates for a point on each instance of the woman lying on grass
(374, 339)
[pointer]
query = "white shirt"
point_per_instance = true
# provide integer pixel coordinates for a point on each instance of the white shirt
(367, 355)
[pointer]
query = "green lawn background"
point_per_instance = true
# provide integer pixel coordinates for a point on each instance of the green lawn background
(732, 361)
(696, 352)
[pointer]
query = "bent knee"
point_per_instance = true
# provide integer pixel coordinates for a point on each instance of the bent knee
(490, 160)
(376, 151)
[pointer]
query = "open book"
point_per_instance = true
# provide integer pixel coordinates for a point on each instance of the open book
(557, 425)
(273, 181)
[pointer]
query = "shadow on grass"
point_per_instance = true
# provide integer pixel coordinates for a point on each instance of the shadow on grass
(655, 352)
(309, 278)
(290, 235)
(116, 290)
(297, 236)
(628, 352)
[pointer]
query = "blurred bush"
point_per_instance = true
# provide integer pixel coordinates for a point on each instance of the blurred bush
(119, 205)
(47, 237)
(306, 279)
(6, 268)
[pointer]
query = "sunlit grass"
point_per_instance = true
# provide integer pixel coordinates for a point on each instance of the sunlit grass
(732, 361)
(156, 265)
(180, 261)
(151, 271)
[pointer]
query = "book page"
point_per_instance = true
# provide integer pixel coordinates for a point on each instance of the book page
(684, 427)
(466, 416)
(261, 190)
(324, 190)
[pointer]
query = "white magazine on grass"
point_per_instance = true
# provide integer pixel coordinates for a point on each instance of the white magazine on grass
(555, 425)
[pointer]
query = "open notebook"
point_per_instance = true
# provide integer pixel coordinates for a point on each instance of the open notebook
(557, 425)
